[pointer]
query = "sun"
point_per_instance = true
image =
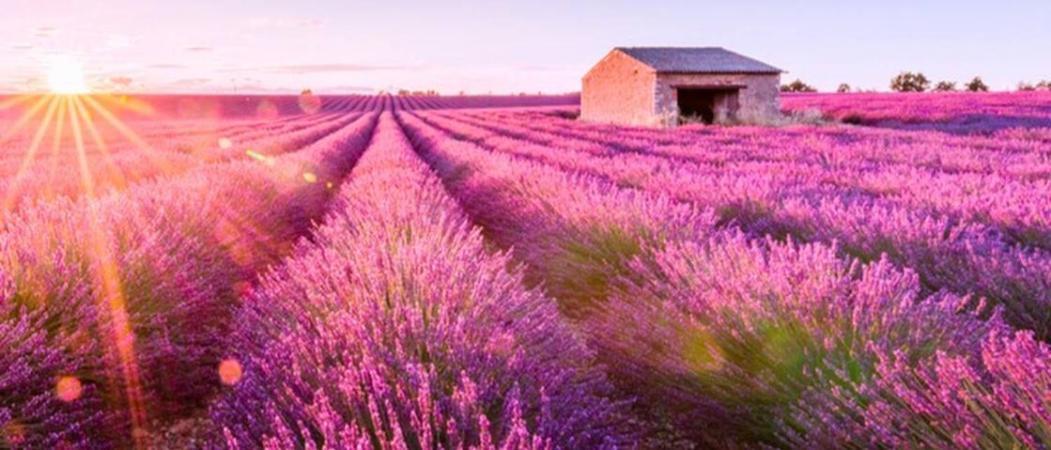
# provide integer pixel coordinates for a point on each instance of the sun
(66, 76)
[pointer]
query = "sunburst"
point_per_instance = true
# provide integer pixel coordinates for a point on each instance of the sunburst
(69, 111)
(70, 121)
(65, 76)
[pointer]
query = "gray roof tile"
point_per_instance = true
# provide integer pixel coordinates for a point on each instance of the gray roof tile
(696, 59)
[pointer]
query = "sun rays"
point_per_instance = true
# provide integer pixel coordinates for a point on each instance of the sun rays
(79, 147)
(60, 118)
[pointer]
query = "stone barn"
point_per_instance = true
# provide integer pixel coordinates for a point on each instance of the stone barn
(666, 86)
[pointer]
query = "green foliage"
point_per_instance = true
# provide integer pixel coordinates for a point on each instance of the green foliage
(797, 86)
(1044, 85)
(910, 82)
(580, 273)
(976, 85)
(843, 88)
(945, 86)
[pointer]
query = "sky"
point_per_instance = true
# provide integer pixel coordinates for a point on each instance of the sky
(500, 46)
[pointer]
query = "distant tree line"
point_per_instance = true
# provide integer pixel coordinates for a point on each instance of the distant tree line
(1044, 85)
(918, 82)
(797, 86)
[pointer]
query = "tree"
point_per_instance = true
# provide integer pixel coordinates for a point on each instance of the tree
(910, 82)
(945, 86)
(1044, 85)
(977, 85)
(1025, 87)
(843, 88)
(797, 86)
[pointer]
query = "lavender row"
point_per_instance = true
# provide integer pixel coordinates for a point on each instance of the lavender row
(503, 193)
(51, 178)
(960, 113)
(120, 304)
(61, 149)
(1017, 155)
(962, 257)
(786, 345)
(108, 126)
(1000, 182)
(396, 326)
(730, 342)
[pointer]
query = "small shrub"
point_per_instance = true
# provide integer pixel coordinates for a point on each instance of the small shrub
(977, 85)
(945, 86)
(797, 86)
(910, 82)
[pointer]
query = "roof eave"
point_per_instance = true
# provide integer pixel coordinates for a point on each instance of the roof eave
(721, 72)
(637, 60)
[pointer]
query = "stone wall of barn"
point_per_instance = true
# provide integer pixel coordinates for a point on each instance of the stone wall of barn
(758, 100)
(619, 90)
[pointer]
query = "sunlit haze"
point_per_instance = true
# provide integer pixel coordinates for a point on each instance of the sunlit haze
(502, 47)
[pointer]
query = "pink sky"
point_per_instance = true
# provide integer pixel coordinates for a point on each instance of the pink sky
(503, 47)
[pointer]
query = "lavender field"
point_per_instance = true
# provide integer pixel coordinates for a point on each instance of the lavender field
(490, 272)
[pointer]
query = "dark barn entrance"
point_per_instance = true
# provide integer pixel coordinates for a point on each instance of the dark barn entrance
(708, 105)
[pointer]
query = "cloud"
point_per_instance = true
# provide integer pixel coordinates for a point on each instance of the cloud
(120, 81)
(21, 47)
(299, 69)
(190, 82)
(198, 49)
(166, 66)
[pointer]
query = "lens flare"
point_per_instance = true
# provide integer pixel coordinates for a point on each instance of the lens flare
(68, 388)
(13, 434)
(230, 372)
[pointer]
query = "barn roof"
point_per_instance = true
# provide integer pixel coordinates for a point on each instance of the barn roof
(696, 60)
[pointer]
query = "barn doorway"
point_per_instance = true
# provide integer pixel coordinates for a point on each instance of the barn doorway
(707, 105)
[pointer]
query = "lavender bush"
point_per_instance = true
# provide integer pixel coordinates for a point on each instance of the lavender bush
(397, 327)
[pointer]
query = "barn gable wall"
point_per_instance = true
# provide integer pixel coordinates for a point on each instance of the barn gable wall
(758, 99)
(619, 89)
